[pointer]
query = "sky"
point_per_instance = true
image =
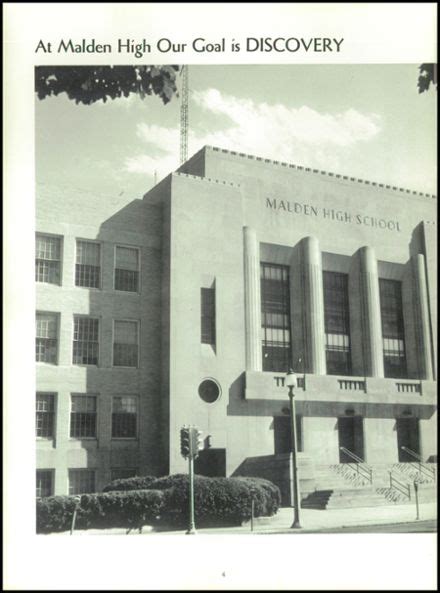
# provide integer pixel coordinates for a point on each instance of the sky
(365, 121)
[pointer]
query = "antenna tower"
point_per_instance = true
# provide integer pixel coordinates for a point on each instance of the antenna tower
(184, 116)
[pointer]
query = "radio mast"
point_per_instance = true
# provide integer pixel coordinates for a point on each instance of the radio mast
(184, 115)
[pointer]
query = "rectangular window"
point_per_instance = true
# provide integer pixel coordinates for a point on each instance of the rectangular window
(393, 335)
(46, 342)
(127, 269)
(88, 264)
(48, 259)
(83, 416)
(337, 323)
(81, 481)
(44, 482)
(207, 296)
(124, 417)
(123, 473)
(125, 344)
(45, 415)
(85, 340)
(275, 317)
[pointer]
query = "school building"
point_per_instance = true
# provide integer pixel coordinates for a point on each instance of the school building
(189, 306)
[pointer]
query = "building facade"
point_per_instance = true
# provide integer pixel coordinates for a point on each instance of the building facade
(188, 308)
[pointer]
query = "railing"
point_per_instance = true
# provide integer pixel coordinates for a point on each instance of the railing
(408, 387)
(361, 468)
(352, 384)
(428, 471)
(401, 487)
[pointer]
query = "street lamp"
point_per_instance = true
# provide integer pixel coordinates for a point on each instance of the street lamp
(291, 382)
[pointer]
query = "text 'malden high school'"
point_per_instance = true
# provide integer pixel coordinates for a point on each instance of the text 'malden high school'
(190, 305)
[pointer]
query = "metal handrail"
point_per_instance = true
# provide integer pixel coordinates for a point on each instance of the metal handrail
(400, 486)
(422, 466)
(360, 464)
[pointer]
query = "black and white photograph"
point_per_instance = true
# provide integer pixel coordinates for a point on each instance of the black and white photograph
(234, 270)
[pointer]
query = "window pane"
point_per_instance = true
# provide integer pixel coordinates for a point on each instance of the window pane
(208, 315)
(81, 481)
(127, 269)
(337, 323)
(393, 333)
(45, 413)
(124, 417)
(44, 482)
(47, 259)
(87, 268)
(83, 416)
(85, 340)
(125, 346)
(46, 343)
(275, 317)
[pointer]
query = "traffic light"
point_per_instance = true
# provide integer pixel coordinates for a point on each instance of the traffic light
(196, 441)
(185, 444)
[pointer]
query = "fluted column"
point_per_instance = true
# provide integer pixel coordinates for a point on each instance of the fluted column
(422, 317)
(313, 301)
(371, 318)
(252, 300)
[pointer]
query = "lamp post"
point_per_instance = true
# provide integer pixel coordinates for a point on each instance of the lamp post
(291, 383)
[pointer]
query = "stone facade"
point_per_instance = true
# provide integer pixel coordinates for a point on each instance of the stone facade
(208, 226)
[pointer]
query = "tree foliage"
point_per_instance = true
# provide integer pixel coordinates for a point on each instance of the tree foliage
(88, 84)
(428, 74)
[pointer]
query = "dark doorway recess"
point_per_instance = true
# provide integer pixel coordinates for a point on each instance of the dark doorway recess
(351, 437)
(408, 436)
(211, 463)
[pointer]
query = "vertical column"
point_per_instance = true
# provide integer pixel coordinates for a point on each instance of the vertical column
(252, 300)
(422, 317)
(371, 319)
(313, 301)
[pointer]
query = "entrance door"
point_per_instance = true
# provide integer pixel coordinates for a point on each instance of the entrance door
(211, 463)
(408, 436)
(351, 437)
(283, 434)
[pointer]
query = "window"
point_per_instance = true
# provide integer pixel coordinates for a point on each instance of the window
(47, 338)
(275, 317)
(124, 417)
(393, 334)
(48, 259)
(125, 344)
(85, 340)
(81, 481)
(44, 482)
(337, 323)
(122, 473)
(88, 264)
(83, 416)
(208, 315)
(127, 269)
(45, 415)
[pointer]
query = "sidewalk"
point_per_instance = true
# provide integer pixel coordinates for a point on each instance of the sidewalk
(311, 520)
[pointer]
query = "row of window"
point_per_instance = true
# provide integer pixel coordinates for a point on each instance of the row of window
(275, 308)
(85, 345)
(84, 416)
(48, 263)
(81, 481)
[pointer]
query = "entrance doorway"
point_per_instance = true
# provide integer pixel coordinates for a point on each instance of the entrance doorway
(211, 463)
(351, 437)
(407, 436)
(283, 434)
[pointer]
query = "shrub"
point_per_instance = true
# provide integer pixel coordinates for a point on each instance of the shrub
(102, 510)
(225, 501)
(136, 483)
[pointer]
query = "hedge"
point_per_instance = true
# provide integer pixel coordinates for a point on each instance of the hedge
(114, 509)
(162, 502)
(135, 483)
